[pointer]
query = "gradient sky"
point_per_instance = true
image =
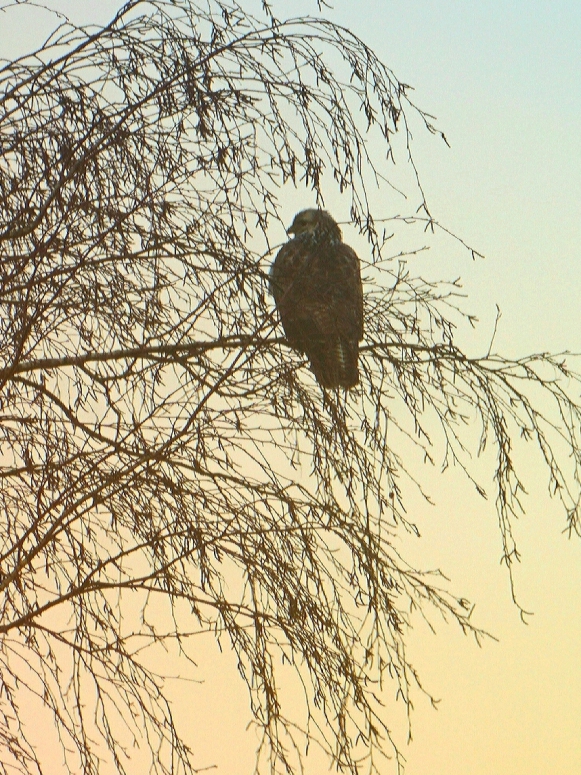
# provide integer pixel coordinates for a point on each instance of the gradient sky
(503, 79)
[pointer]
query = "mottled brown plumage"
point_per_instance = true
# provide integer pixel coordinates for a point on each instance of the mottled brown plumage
(316, 283)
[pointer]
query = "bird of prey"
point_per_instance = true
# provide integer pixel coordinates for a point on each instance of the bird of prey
(316, 283)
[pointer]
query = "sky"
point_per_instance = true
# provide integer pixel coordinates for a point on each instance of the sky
(502, 78)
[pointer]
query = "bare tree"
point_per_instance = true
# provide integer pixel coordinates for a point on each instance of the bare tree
(162, 449)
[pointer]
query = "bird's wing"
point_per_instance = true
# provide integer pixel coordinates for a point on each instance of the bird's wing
(349, 291)
(285, 269)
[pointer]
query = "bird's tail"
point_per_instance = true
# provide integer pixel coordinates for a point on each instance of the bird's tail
(336, 365)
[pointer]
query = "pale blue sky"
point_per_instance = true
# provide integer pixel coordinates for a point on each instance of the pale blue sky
(503, 78)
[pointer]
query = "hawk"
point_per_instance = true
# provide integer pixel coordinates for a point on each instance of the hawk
(316, 283)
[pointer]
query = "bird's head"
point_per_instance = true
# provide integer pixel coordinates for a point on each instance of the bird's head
(316, 222)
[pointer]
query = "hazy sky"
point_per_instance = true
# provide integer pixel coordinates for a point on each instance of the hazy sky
(503, 79)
